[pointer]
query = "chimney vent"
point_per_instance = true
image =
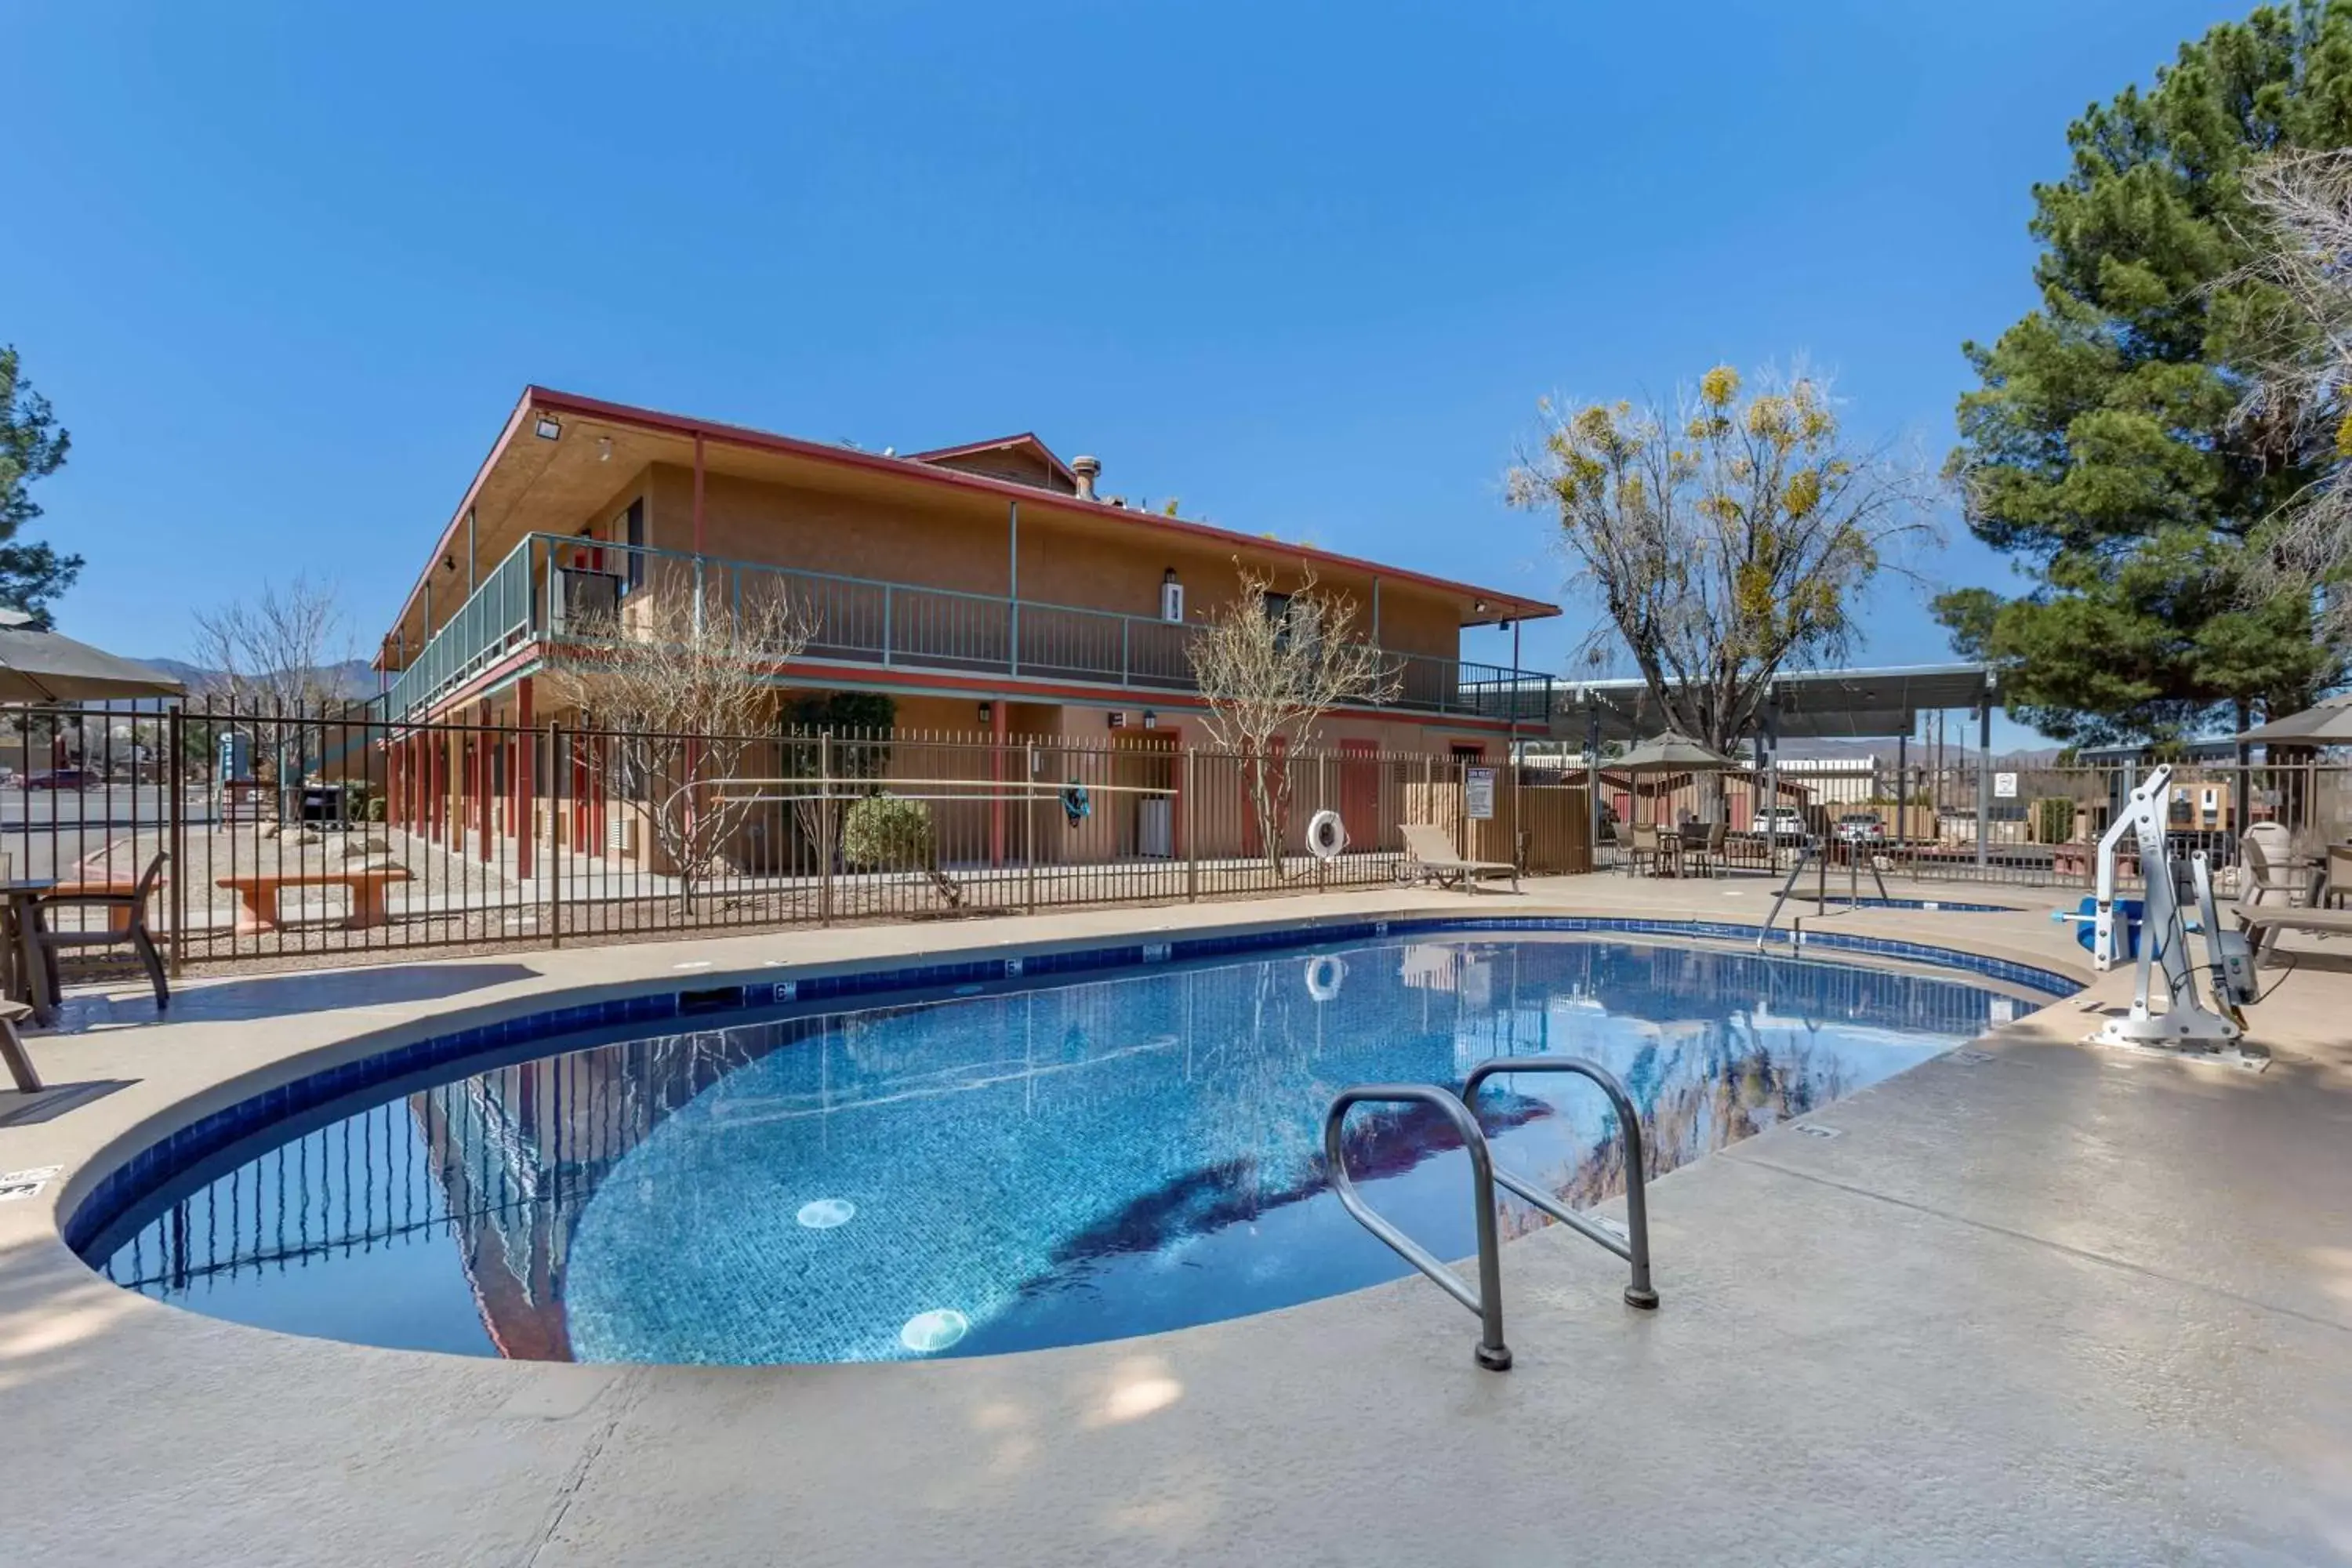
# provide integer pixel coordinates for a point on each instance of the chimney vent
(1088, 470)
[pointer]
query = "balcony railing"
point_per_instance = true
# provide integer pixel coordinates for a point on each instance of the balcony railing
(552, 587)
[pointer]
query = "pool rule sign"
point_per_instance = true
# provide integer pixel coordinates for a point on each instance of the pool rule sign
(1478, 793)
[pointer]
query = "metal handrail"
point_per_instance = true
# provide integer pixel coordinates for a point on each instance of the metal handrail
(1635, 1246)
(1811, 852)
(1805, 852)
(1487, 1300)
(980, 632)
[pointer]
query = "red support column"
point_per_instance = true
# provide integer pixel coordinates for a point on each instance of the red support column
(596, 831)
(484, 788)
(999, 720)
(523, 799)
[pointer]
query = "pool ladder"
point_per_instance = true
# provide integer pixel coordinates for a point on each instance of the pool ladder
(1487, 1301)
(1811, 852)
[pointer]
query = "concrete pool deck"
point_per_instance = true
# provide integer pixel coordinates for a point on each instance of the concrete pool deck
(2035, 1302)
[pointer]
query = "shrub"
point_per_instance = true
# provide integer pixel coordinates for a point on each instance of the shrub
(888, 832)
(2054, 819)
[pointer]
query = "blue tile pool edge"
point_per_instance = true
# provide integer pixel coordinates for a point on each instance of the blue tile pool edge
(130, 1181)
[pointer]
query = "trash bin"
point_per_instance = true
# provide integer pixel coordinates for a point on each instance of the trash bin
(1155, 826)
(324, 804)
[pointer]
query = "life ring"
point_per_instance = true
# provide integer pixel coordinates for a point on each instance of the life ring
(1325, 835)
(1324, 973)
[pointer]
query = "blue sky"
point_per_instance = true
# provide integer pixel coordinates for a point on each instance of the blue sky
(283, 270)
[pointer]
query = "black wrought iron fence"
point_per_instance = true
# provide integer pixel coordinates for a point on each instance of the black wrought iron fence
(339, 834)
(2011, 822)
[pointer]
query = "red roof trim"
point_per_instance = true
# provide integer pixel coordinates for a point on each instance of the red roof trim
(1002, 443)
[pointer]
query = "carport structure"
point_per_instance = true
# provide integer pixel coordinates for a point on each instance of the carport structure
(1807, 704)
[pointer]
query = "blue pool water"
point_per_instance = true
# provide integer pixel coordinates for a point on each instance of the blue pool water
(1008, 1169)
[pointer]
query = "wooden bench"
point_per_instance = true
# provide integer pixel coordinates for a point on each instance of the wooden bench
(93, 882)
(259, 892)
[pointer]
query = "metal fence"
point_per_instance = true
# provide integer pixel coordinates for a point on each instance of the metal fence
(2011, 822)
(333, 836)
(344, 835)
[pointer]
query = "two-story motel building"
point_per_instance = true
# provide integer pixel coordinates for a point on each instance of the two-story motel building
(985, 587)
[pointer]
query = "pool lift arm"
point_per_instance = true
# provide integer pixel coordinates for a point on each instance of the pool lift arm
(2186, 1023)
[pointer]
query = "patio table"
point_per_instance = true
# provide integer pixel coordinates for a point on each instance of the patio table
(25, 973)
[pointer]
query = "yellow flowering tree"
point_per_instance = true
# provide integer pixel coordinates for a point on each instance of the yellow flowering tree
(1725, 536)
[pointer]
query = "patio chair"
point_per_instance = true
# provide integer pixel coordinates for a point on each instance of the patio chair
(1713, 851)
(12, 1048)
(1430, 856)
(2263, 874)
(126, 922)
(1642, 844)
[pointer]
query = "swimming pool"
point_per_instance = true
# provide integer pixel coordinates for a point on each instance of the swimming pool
(1023, 1166)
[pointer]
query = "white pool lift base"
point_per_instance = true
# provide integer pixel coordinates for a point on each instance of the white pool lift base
(2187, 1026)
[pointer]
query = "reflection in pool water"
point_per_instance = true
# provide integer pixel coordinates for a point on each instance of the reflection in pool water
(1025, 1168)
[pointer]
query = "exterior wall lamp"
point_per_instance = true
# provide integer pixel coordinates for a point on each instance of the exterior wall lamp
(549, 427)
(987, 713)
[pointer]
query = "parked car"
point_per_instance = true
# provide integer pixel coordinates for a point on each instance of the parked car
(1861, 827)
(61, 778)
(1782, 825)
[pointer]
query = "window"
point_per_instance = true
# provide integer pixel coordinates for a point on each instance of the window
(632, 534)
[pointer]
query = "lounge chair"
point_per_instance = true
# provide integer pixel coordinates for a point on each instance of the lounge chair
(2262, 923)
(1429, 857)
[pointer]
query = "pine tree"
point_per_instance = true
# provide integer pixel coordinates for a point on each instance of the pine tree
(2104, 448)
(31, 447)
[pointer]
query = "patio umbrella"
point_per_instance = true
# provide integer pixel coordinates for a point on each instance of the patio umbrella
(1669, 754)
(2327, 723)
(43, 667)
(1672, 754)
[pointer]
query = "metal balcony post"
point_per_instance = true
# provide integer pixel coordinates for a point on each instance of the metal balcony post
(1126, 626)
(885, 622)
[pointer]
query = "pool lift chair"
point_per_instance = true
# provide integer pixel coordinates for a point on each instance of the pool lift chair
(2186, 1023)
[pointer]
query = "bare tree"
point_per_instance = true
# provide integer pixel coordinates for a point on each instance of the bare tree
(680, 692)
(2299, 400)
(283, 649)
(1271, 666)
(1725, 537)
